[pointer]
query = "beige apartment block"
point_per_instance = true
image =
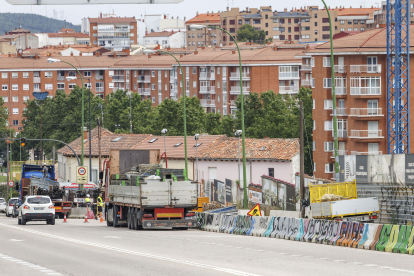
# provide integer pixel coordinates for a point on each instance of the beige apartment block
(204, 36)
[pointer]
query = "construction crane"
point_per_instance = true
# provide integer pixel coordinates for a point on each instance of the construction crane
(398, 83)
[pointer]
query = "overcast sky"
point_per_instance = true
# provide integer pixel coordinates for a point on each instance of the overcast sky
(187, 8)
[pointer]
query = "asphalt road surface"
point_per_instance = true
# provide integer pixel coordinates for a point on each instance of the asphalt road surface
(77, 248)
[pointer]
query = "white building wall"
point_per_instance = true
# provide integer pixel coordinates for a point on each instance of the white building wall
(170, 23)
(43, 39)
(54, 41)
(177, 40)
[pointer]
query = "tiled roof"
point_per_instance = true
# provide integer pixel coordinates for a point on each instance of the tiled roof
(204, 18)
(288, 14)
(67, 30)
(113, 20)
(20, 30)
(160, 34)
(259, 149)
(77, 35)
(356, 11)
(178, 151)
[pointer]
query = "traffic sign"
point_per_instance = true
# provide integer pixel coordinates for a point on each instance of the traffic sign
(10, 183)
(81, 174)
(255, 211)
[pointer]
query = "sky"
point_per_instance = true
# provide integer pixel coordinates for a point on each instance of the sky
(187, 8)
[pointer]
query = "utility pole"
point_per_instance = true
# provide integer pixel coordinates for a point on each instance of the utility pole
(8, 163)
(99, 147)
(302, 162)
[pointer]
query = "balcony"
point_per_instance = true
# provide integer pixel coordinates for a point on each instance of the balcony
(340, 152)
(172, 79)
(236, 76)
(288, 75)
(36, 79)
(290, 89)
(144, 91)
(306, 82)
(340, 111)
(232, 104)
(366, 91)
(143, 79)
(118, 78)
(99, 89)
(366, 112)
(60, 78)
(118, 88)
(208, 103)
(366, 153)
(207, 90)
(36, 90)
(235, 90)
(342, 133)
(340, 69)
(306, 67)
(372, 69)
(366, 134)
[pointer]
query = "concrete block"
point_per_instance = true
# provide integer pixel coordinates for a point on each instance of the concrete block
(285, 229)
(282, 213)
(358, 236)
(410, 245)
(393, 238)
(364, 237)
(275, 226)
(384, 237)
(254, 226)
(372, 230)
(269, 228)
(295, 229)
(403, 239)
(336, 233)
(344, 231)
(376, 237)
(310, 231)
(317, 230)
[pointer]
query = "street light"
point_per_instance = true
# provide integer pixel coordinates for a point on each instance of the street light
(53, 60)
(196, 27)
(196, 137)
(90, 126)
(147, 51)
(238, 134)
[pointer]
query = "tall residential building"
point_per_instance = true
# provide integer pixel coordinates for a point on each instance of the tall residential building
(300, 25)
(114, 33)
(204, 36)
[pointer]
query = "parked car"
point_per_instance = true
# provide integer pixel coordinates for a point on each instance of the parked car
(3, 205)
(36, 208)
(11, 208)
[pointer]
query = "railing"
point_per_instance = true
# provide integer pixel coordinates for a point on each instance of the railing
(365, 91)
(366, 69)
(36, 89)
(118, 88)
(99, 77)
(144, 79)
(310, 82)
(289, 89)
(342, 133)
(366, 133)
(288, 75)
(60, 78)
(340, 111)
(118, 78)
(340, 91)
(207, 103)
(235, 90)
(236, 75)
(36, 79)
(144, 91)
(366, 153)
(207, 90)
(366, 112)
(340, 152)
(306, 67)
(99, 89)
(340, 69)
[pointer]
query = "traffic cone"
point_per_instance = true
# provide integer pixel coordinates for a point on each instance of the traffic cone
(64, 218)
(86, 219)
(101, 218)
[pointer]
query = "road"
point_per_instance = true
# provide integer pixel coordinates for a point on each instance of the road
(77, 248)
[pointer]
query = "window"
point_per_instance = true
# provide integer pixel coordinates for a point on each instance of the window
(152, 74)
(271, 172)
(5, 99)
(313, 145)
(329, 146)
(218, 84)
(315, 15)
(87, 85)
(329, 167)
(276, 20)
(194, 70)
(153, 99)
(25, 75)
(349, 22)
(327, 62)
(153, 87)
(275, 37)
(325, 20)
(349, 29)
(15, 111)
(232, 22)
(15, 86)
(314, 125)
(48, 86)
(373, 148)
(15, 99)
(342, 22)
(61, 86)
(4, 87)
(15, 122)
(325, 28)
(240, 22)
(362, 29)
(362, 22)
(25, 87)
(327, 104)
(87, 73)
(25, 98)
(304, 36)
(232, 30)
(73, 73)
(342, 29)
(327, 83)
(327, 125)
(165, 75)
(166, 88)
(296, 29)
(314, 166)
(72, 85)
(49, 74)
(4, 75)
(355, 21)
(15, 75)
(218, 70)
(247, 21)
(325, 36)
(356, 29)
(194, 84)
(275, 29)
(305, 28)
(316, 32)
(313, 103)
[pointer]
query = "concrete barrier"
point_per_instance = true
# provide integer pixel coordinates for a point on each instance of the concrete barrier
(354, 227)
(344, 230)
(410, 245)
(263, 226)
(364, 237)
(285, 229)
(305, 229)
(254, 226)
(323, 231)
(77, 213)
(311, 230)
(239, 225)
(232, 225)
(289, 231)
(384, 237)
(295, 229)
(403, 239)
(393, 238)
(332, 232)
(376, 237)
(372, 231)
(278, 226)
(317, 230)
(236, 225)
(281, 213)
(270, 227)
(357, 236)
(209, 222)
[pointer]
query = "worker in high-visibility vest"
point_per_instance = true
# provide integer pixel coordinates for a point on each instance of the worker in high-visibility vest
(100, 206)
(87, 201)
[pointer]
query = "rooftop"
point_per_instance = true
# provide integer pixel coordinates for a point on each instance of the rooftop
(77, 35)
(205, 18)
(110, 20)
(20, 30)
(160, 34)
(67, 30)
(227, 148)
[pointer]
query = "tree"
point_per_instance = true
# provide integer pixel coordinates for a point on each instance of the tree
(213, 123)
(247, 33)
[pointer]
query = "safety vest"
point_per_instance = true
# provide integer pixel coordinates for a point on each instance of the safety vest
(87, 200)
(100, 202)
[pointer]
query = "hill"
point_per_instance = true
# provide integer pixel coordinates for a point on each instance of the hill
(33, 22)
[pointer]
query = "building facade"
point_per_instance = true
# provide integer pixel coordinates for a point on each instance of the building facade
(204, 36)
(165, 39)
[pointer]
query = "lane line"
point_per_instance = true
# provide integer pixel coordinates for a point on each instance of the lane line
(141, 254)
(33, 266)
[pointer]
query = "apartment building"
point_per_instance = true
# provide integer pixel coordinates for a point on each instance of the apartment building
(304, 24)
(205, 36)
(114, 33)
(165, 39)
(211, 74)
(361, 97)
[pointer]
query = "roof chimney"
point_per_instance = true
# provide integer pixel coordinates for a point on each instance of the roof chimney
(360, 6)
(80, 54)
(227, 8)
(275, 12)
(291, 12)
(208, 13)
(181, 55)
(71, 54)
(285, 10)
(197, 13)
(85, 133)
(149, 56)
(247, 9)
(233, 52)
(114, 54)
(196, 52)
(36, 56)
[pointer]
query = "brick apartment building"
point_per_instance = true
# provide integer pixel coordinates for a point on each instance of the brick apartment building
(114, 33)
(211, 74)
(304, 24)
(204, 37)
(361, 92)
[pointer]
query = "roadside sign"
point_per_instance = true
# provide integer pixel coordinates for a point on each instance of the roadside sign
(82, 174)
(10, 183)
(255, 211)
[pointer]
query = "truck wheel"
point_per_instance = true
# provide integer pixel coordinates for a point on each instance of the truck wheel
(19, 222)
(114, 218)
(23, 221)
(129, 220)
(52, 222)
(107, 220)
(134, 219)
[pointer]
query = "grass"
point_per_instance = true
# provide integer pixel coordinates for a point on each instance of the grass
(3, 178)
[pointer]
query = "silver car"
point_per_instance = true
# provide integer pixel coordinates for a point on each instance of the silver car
(12, 207)
(3, 205)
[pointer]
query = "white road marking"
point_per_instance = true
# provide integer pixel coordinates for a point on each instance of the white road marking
(141, 254)
(112, 237)
(16, 240)
(40, 268)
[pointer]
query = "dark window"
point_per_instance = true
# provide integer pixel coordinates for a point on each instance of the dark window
(224, 22)
(267, 33)
(316, 24)
(232, 30)
(355, 21)
(336, 19)
(232, 22)
(266, 16)
(325, 36)
(336, 28)
(325, 20)
(296, 29)
(349, 22)
(247, 21)
(282, 21)
(296, 20)
(271, 172)
(189, 28)
(224, 38)
(256, 21)
(316, 15)
(289, 30)
(240, 22)
(267, 24)
(282, 29)
(296, 37)
(325, 28)
(289, 21)
(15, 122)
(282, 37)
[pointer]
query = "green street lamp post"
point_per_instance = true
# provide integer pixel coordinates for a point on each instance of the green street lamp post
(196, 27)
(184, 96)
